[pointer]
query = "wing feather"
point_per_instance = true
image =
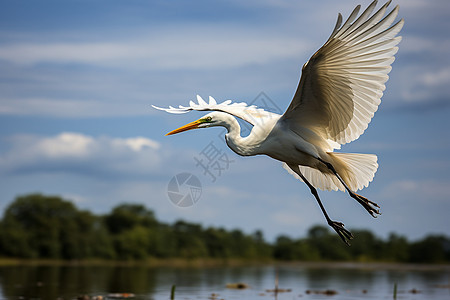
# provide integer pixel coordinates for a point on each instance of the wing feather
(337, 26)
(350, 19)
(360, 30)
(362, 18)
(342, 83)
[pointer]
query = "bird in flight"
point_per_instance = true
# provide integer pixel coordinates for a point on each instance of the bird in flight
(339, 91)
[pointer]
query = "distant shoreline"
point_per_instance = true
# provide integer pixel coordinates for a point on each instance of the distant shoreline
(210, 263)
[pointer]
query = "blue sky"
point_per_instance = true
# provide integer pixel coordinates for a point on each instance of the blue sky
(77, 79)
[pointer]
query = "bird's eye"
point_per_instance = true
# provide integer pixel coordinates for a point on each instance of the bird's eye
(208, 119)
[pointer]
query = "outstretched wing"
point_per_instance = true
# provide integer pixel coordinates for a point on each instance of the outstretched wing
(249, 113)
(342, 83)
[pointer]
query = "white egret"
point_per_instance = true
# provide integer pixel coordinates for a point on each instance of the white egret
(339, 91)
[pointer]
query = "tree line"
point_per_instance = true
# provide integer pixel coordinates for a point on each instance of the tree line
(48, 227)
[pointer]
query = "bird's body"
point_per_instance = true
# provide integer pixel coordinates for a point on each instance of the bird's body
(302, 147)
(338, 93)
(274, 140)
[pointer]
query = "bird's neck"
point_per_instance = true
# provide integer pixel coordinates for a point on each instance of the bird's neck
(235, 141)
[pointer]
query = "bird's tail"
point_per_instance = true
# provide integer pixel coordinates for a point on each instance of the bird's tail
(357, 171)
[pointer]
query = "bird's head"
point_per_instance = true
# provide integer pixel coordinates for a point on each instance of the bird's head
(212, 119)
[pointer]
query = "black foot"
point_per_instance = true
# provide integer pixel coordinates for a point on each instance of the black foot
(343, 233)
(370, 206)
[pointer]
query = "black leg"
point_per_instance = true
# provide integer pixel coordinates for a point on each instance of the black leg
(343, 233)
(371, 207)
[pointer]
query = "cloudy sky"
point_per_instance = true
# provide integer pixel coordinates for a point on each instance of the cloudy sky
(77, 80)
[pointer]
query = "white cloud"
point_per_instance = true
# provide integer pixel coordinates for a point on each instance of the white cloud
(71, 108)
(64, 52)
(64, 145)
(421, 44)
(422, 83)
(123, 73)
(421, 191)
(191, 47)
(71, 152)
(123, 76)
(437, 78)
(137, 143)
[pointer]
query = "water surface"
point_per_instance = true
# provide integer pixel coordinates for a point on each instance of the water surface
(305, 281)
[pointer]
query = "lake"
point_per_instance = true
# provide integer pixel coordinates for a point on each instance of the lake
(301, 281)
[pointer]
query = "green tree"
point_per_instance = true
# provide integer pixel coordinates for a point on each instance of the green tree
(243, 245)
(189, 240)
(218, 243)
(163, 242)
(365, 246)
(327, 245)
(396, 249)
(102, 245)
(133, 243)
(132, 228)
(126, 216)
(45, 219)
(263, 249)
(15, 240)
(284, 248)
(432, 249)
(37, 226)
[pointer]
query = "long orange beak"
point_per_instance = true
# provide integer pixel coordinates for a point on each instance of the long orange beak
(192, 125)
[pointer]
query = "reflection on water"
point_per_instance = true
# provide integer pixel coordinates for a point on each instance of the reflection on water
(52, 282)
(349, 281)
